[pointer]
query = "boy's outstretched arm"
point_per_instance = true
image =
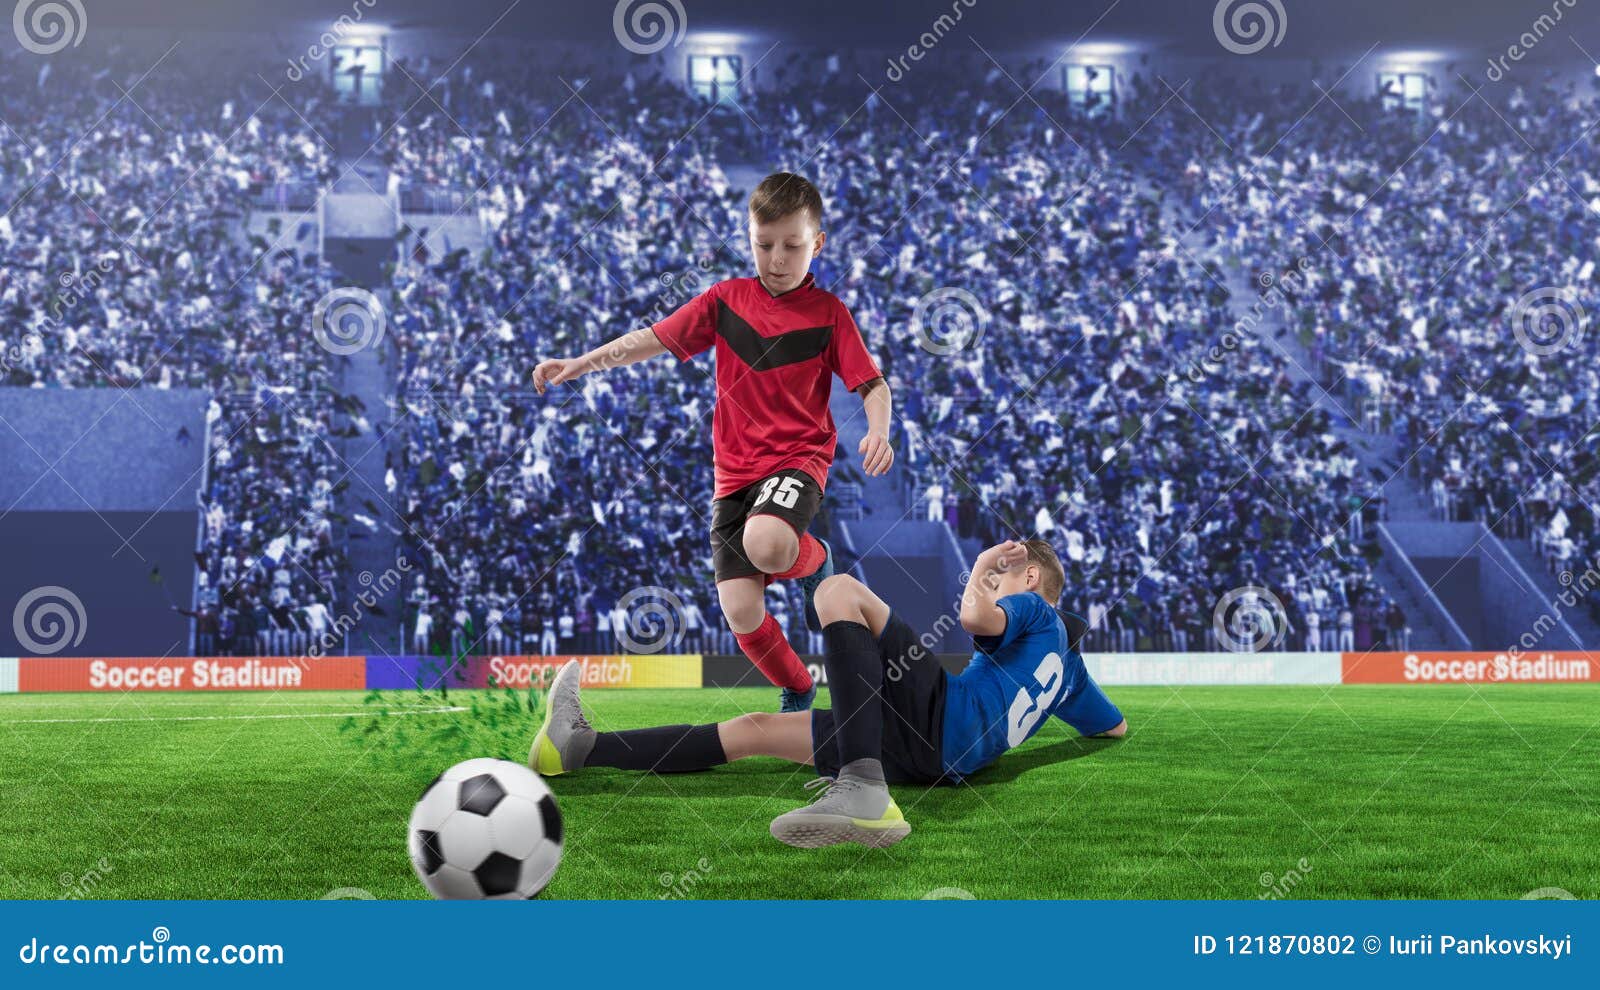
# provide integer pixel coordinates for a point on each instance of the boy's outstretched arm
(877, 456)
(626, 349)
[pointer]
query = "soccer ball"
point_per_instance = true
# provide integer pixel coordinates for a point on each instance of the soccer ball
(486, 829)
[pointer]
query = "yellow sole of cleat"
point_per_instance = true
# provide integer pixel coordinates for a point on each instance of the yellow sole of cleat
(820, 831)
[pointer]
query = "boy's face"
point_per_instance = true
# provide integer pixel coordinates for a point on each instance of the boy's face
(1023, 577)
(783, 250)
(1019, 579)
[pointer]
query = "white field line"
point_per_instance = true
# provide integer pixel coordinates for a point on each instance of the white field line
(229, 718)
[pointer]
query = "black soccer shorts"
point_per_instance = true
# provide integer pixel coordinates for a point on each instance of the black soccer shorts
(792, 495)
(914, 686)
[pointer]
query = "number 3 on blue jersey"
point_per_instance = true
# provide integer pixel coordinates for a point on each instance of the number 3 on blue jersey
(1027, 711)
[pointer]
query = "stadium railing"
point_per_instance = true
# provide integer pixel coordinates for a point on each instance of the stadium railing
(287, 197)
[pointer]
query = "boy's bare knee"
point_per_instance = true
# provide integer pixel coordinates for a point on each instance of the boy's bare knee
(770, 544)
(756, 721)
(837, 598)
(768, 554)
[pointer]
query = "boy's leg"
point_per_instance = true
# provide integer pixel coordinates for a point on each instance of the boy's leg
(857, 807)
(775, 536)
(761, 639)
(749, 530)
(567, 741)
(772, 545)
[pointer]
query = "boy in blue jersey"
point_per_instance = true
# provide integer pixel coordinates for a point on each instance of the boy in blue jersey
(897, 716)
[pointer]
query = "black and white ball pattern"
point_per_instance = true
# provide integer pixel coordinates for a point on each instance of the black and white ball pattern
(486, 829)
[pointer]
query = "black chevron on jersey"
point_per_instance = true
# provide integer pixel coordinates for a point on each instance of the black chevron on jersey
(766, 353)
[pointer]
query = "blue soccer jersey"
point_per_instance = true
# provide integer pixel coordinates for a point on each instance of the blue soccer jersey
(1014, 680)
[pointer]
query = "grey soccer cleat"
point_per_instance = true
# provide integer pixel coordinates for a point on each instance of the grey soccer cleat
(849, 810)
(566, 737)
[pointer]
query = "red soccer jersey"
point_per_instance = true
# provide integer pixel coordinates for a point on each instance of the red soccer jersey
(776, 358)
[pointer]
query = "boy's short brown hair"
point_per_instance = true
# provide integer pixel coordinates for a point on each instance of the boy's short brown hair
(1051, 576)
(783, 194)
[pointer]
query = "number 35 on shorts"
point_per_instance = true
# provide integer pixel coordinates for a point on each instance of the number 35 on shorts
(782, 491)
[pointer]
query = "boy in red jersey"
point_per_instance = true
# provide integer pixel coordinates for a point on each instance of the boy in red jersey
(779, 341)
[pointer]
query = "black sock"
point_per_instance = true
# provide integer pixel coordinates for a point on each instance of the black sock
(667, 749)
(855, 683)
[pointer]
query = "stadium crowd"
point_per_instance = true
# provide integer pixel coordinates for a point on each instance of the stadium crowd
(125, 263)
(1451, 272)
(1082, 396)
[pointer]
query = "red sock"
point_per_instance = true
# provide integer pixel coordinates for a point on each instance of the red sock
(773, 656)
(807, 561)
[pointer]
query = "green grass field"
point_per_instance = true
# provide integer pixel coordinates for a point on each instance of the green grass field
(1216, 793)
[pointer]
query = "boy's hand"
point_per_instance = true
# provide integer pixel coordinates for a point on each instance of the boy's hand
(556, 371)
(1008, 555)
(997, 560)
(876, 454)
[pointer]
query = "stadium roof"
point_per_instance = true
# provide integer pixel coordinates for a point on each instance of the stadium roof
(1314, 28)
